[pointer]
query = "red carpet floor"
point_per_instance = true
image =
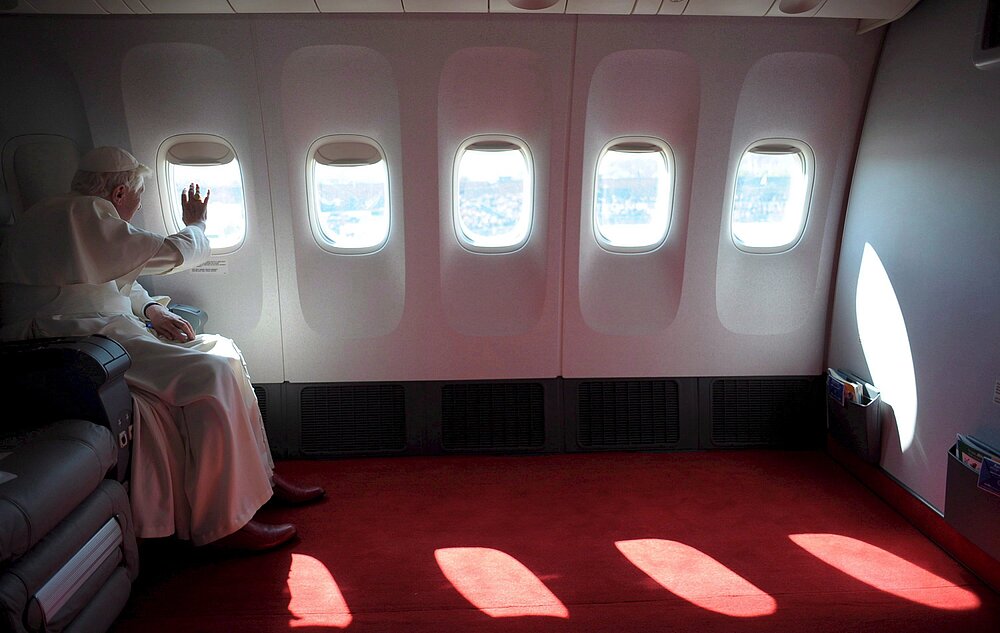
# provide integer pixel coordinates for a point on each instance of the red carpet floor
(703, 541)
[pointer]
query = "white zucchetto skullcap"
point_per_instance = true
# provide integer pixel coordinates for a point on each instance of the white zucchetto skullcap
(108, 160)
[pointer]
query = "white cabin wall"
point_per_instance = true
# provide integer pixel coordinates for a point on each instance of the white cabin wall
(448, 318)
(924, 197)
(425, 309)
(697, 306)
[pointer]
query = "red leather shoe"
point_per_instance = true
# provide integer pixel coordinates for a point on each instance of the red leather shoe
(291, 494)
(256, 537)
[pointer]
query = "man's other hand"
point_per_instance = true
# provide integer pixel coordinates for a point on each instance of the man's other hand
(168, 325)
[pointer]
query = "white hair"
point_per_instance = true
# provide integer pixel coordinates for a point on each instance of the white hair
(101, 183)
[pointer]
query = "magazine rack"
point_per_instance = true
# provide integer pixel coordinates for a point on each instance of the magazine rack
(974, 512)
(857, 426)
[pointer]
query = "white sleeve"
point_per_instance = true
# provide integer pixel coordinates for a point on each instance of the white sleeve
(141, 300)
(183, 250)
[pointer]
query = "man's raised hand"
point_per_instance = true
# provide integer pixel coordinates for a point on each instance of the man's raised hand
(193, 208)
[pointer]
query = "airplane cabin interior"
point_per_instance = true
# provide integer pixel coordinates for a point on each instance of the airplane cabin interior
(588, 315)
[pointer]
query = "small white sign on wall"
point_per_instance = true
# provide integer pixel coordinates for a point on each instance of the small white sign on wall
(213, 267)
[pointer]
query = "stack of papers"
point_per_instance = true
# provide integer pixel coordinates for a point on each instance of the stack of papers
(982, 458)
(843, 386)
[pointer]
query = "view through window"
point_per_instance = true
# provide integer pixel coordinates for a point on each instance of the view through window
(633, 195)
(769, 201)
(494, 189)
(227, 218)
(352, 203)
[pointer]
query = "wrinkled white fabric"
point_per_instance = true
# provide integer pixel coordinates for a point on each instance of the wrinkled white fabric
(201, 463)
(74, 239)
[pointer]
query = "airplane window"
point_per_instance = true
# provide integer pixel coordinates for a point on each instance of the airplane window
(493, 194)
(349, 194)
(771, 198)
(632, 194)
(212, 163)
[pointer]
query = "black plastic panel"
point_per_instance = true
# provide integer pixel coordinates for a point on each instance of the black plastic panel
(628, 413)
(494, 415)
(350, 418)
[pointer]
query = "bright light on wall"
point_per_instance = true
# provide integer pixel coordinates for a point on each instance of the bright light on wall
(885, 344)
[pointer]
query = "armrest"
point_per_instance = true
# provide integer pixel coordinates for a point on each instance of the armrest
(68, 377)
(195, 316)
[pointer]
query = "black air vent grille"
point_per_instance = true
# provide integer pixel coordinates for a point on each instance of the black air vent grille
(623, 413)
(754, 412)
(352, 419)
(261, 394)
(493, 416)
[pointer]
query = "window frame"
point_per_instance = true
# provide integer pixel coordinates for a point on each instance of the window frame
(312, 210)
(168, 203)
(808, 164)
(671, 164)
(456, 219)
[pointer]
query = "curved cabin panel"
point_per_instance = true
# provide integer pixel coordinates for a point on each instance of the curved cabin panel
(799, 100)
(651, 96)
(495, 120)
(326, 92)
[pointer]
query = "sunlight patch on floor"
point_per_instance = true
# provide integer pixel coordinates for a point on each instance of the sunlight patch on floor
(697, 577)
(316, 599)
(885, 571)
(498, 584)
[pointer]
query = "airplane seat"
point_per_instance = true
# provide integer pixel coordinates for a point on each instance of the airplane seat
(68, 552)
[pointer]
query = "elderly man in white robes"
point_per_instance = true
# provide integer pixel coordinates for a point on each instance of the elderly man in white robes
(201, 463)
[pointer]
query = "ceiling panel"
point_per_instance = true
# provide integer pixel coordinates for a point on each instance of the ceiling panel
(502, 6)
(360, 6)
(188, 6)
(727, 7)
(446, 6)
(274, 6)
(882, 9)
(68, 6)
(872, 12)
(673, 7)
(795, 8)
(600, 7)
(115, 6)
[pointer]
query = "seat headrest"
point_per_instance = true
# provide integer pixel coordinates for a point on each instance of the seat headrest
(35, 167)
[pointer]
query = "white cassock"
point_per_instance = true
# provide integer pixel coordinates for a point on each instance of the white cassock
(201, 465)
